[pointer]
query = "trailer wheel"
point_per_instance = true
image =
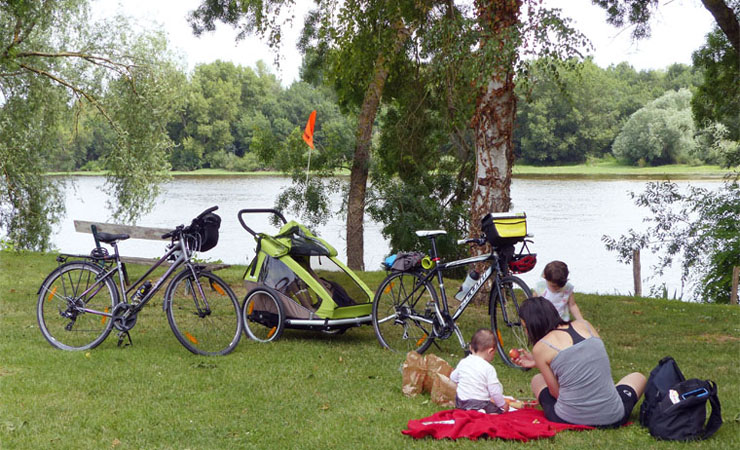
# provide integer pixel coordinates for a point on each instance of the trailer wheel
(263, 315)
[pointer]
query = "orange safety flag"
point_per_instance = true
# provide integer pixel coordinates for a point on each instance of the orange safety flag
(308, 133)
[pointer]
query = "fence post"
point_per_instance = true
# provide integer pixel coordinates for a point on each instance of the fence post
(735, 276)
(636, 272)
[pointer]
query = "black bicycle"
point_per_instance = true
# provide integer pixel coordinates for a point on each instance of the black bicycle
(410, 314)
(79, 303)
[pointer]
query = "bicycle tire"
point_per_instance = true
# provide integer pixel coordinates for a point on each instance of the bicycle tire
(263, 315)
(394, 305)
(206, 321)
(508, 329)
(57, 308)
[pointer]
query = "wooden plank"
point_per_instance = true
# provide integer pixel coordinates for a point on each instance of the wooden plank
(151, 261)
(134, 232)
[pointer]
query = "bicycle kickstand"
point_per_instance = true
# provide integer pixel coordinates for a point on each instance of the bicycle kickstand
(122, 335)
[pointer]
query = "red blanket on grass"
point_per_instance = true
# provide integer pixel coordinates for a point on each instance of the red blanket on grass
(521, 425)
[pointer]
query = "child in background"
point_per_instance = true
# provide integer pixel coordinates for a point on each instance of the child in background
(478, 387)
(558, 291)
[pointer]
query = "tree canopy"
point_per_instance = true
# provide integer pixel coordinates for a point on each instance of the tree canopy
(55, 66)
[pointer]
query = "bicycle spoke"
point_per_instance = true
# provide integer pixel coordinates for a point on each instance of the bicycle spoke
(61, 317)
(396, 313)
(205, 321)
(505, 320)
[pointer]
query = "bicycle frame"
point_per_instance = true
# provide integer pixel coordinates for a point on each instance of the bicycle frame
(439, 268)
(118, 267)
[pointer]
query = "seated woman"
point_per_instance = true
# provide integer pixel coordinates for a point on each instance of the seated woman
(575, 382)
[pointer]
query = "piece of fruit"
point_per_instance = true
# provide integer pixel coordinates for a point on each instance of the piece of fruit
(513, 353)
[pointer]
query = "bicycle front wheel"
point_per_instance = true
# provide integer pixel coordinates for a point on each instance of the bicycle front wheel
(403, 313)
(72, 304)
(505, 318)
(203, 313)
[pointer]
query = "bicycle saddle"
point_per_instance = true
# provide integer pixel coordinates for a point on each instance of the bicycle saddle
(430, 233)
(108, 237)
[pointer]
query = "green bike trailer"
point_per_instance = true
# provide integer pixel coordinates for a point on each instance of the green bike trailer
(296, 281)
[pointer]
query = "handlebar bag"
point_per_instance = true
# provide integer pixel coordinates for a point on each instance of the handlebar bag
(205, 232)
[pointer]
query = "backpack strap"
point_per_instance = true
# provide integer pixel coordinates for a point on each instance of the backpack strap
(715, 418)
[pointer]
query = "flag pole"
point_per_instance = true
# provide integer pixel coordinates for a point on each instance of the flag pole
(308, 138)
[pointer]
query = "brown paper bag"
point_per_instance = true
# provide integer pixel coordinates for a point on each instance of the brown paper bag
(434, 365)
(414, 372)
(443, 391)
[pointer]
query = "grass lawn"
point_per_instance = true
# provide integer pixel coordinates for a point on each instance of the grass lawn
(599, 169)
(307, 390)
(610, 168)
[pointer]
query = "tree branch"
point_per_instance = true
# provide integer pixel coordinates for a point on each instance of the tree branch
(726, 19)
(74, 89)
(94, 59)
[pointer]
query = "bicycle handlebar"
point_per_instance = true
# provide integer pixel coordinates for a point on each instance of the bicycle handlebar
(209, 210)
(477, 241)
(258, 210)
(170, 234)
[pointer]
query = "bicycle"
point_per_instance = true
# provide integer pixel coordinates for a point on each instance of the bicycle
(79, 302)
(408, 314)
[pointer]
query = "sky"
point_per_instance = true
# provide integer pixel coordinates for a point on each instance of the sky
(678, 28)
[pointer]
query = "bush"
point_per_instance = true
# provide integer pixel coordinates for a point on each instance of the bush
(662, 132)
(714, 147)
(229, 161)
(700, 226)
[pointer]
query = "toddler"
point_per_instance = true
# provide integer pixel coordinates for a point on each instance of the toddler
(477, 383)
(558, 291)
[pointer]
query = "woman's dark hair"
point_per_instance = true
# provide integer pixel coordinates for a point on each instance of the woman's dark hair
(540, 317)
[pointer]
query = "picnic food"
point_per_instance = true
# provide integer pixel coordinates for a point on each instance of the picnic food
(513, 353)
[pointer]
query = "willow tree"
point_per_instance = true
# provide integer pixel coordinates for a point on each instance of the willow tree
(55, 64)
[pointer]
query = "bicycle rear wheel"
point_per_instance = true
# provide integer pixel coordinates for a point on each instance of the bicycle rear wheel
(203, 313)
(505, 318)
(402, 313)
(61, 306)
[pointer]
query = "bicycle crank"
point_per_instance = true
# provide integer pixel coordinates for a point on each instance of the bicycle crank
(442, 331)
(124, 318)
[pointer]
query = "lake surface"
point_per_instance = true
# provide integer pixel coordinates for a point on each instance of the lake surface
(566, 216)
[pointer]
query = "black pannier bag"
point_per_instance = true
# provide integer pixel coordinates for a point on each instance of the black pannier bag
(675, 408)
(204, 232)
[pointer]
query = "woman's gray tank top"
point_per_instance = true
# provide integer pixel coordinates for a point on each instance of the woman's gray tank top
(587, 394)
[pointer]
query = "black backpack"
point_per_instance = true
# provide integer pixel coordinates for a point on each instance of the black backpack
(675, 408)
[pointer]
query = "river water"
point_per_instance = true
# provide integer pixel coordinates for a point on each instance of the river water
(566, 216)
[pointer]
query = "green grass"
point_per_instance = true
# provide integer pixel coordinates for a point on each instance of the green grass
(307, 390)
(610, 168)
(196, 173)
(599, 169)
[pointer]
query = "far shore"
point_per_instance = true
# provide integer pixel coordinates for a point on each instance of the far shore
(596, 170)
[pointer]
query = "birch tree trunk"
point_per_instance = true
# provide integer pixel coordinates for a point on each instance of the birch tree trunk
(493, 120)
